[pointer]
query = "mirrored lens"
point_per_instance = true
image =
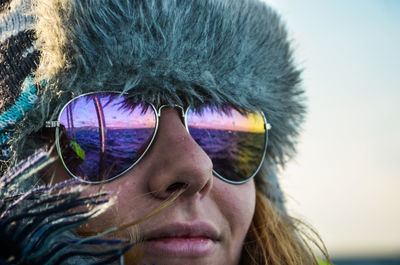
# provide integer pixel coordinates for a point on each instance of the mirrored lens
(235, 142)
(102, 135)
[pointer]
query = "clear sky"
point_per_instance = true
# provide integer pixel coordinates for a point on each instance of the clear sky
(345, 180)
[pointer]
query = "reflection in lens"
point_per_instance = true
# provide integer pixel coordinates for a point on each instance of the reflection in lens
(235, 142)
(103, 134)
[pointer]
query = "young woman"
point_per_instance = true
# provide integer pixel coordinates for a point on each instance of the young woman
(181, 111)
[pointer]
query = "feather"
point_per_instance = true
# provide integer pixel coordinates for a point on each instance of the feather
(36, 226)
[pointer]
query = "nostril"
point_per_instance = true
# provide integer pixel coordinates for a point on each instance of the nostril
(175, 186)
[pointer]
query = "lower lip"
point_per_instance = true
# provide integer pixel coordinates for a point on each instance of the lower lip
(180, 246)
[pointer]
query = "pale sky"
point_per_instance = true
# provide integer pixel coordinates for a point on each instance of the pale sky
(345, 180)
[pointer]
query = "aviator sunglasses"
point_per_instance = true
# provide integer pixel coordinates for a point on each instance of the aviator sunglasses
(102, 135)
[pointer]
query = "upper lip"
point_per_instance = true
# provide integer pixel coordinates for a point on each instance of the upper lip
(197, 229)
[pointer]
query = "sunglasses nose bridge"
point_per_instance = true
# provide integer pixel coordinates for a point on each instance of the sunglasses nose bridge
(158, 111)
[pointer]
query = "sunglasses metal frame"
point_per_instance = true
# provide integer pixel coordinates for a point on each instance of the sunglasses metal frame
(157, 112)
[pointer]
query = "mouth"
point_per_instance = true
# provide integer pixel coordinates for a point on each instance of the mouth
(182, 240)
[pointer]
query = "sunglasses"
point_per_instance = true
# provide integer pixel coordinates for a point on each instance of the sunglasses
(102, 135)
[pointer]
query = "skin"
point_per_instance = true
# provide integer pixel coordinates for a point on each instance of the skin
(174, 160)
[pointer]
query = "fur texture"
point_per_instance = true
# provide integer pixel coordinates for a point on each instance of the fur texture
(169, 51)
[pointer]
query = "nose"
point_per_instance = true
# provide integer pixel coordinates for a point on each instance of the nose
(177, 160)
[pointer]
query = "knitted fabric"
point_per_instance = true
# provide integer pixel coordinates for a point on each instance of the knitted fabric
(18, 58)
(25, 102)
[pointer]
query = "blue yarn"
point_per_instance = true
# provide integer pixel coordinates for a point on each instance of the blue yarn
(4, 138)
(25, 102)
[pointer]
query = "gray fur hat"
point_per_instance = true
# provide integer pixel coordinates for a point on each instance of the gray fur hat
(193, 52)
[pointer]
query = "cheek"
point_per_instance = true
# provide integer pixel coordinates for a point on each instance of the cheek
(237, 204)
(126, 208)
(55, 173)
(128, 196)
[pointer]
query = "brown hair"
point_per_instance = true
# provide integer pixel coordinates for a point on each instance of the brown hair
(275, 238)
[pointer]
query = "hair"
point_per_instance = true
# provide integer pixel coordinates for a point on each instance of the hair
(275, 238)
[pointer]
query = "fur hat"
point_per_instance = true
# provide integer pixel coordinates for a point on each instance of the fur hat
(215, 52)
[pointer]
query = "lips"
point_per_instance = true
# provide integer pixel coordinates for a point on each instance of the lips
(182, 240)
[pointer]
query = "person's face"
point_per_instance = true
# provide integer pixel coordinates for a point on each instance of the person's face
(207, 224)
